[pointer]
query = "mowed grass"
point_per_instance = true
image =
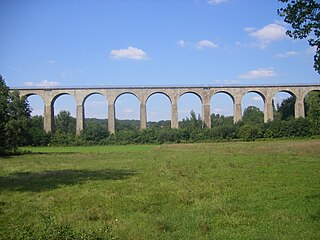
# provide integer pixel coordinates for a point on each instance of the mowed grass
(254, 190)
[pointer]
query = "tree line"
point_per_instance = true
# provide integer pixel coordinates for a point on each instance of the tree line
(19, 128)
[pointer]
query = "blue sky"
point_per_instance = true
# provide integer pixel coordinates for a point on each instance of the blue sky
(181, 42)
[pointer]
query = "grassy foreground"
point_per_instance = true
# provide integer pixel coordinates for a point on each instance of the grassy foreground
(255, 190)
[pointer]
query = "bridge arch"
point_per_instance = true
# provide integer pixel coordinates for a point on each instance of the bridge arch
(219, 106)
(254, 98)
(95, 105)
(279, 97)
(128, 109)
(313, 97)
(185, 108)
(58, 102)
(166, 107)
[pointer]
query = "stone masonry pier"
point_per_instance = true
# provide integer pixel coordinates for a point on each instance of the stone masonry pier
(80, 94)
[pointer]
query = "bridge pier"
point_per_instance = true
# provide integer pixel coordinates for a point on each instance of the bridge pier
(48, 118)
(143, 116)
(237, 110)
(79, 119)
(206, 113)
(174, 114)
(268, 109)
(299, 107)
(111, 119)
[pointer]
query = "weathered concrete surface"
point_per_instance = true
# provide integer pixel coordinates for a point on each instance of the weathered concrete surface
(49, 95)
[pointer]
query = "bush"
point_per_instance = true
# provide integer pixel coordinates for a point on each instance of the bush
(249, 132)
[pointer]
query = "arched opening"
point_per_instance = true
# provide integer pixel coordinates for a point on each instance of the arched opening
(221, 109)
(96, 109)
(95, 117)
(36, 105)
(189, 110)
(253, 108)
(284, 105)
(64, 108)
(312, 104)
(158, 111)
(127, 112)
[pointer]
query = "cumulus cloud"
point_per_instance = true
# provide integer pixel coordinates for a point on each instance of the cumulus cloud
(129, 53)
(267, 34)
(181, 43)
(206, 44)
(250, 29)
(216, 2)
(259, 73)
(287, 54)
(43, 83)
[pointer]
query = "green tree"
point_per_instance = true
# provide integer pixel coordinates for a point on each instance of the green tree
(312, 106)
(4, 113)
(38, 136)
(286, 108)
(252, 116)
(14, 119)
(65, 123)
(17, 128)
(221, 120)
(304, 17)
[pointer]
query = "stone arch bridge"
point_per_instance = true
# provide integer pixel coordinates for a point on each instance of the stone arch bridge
(50, 94)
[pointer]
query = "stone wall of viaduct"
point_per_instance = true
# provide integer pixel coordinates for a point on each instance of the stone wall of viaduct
(49, 95)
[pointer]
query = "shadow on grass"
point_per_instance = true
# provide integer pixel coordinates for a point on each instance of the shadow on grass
(48, 180)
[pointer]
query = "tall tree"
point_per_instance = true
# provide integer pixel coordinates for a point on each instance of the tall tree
(312, 106)
(304, 17)
(286, 108)
(252, 115)
(17, 128)
(14, 119)
(65, 123)
(4, 113)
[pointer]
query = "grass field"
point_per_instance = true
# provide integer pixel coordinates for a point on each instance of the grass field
(255, 190)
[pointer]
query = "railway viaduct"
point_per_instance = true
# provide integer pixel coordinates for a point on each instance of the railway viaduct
(50, 94)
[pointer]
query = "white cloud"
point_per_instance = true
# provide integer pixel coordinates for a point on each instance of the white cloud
(46, 83)
(219, 110)
(206, 44)
(28, 83)
(226, 82)
(259, 73)
(250, 29)
(129, 53)
(43, 83)
(287, 54)
(51, 61)
(269, 33)
(257, 98)
(127, 111)
(181, 43)
(215, 2)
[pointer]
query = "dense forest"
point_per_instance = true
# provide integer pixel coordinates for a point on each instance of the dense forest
(19, 128)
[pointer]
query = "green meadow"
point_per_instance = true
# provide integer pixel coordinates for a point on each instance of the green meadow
(241, 190)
